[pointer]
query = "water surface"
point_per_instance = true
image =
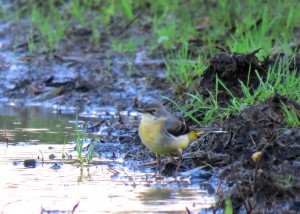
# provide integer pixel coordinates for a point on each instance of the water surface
(36, 132)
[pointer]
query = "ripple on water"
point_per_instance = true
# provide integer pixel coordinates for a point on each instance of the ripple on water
(54, 183)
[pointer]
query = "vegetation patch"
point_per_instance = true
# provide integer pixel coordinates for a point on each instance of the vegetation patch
(230, 64)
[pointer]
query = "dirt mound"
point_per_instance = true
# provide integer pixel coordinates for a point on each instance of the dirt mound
(259, 162)
(256, 161)
(231, 68)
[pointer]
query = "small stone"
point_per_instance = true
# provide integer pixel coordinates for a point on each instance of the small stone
(30, 163)
(16, 163)
(52, 157)
(55, 167)
(200, 176)
(296, 164)
(256, 156)
(287, 132)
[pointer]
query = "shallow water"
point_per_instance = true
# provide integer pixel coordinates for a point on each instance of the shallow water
(35, 133)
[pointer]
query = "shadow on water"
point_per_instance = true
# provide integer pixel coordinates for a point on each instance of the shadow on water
(51, 186)
(35, 124)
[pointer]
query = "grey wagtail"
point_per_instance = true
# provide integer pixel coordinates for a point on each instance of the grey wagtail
(162, 133)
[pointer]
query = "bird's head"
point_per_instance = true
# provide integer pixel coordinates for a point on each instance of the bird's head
(154, 111)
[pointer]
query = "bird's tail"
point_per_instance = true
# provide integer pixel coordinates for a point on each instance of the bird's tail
(196, 133)
(207, 130)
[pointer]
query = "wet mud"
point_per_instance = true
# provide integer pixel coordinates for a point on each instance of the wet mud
(256, 163)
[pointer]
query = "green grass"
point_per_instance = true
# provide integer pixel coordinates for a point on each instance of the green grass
(79, 144)
(182, 69)
(83, 157)
(77, 10)
(228, 206)
(122, 45)
(127, 5)
(291, 117)
(261, 26)
(241, 25)
(237, 26)
(172, 23)
(279, 79)
(265, 32)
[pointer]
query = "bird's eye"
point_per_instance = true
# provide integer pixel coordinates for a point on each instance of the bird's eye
(152, 111)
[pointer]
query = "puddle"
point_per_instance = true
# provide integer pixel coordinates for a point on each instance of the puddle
(35, 124)
(36, 133)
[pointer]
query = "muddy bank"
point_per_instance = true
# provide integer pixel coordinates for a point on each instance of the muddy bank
(253, 184)
(256, 163)
(82, 81)
(77, 73)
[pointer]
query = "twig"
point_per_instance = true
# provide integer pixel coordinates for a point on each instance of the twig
(129, 23)
(74, 208)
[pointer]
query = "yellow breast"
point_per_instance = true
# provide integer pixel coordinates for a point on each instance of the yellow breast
(153, 136)
(150, 132)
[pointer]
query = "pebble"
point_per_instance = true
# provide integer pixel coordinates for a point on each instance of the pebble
(30, 163)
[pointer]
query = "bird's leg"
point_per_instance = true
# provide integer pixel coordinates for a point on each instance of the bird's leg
(158, 159)
(180, 157)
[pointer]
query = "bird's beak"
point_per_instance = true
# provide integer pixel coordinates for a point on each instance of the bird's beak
(141, 110)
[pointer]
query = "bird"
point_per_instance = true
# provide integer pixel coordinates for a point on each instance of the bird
(163, 133)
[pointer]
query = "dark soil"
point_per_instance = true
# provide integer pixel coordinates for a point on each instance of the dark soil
(256, 161)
